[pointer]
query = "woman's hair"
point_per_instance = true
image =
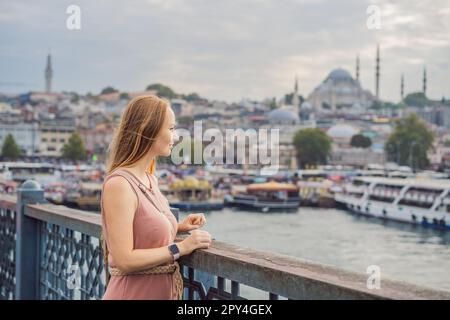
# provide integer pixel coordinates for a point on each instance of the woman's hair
(141, 122)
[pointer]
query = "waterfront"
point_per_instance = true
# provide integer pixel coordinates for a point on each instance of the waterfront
(335, 237)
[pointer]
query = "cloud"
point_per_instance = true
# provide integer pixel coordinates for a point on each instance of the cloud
(225, 50)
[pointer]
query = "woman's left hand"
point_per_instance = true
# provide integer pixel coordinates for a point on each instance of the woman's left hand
(192, 222)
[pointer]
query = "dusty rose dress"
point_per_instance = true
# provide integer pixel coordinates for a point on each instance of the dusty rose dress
(150, 230)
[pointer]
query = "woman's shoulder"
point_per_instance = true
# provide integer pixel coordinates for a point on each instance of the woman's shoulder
(118, 186)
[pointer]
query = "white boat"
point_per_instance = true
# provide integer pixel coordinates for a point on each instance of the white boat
(417, 201)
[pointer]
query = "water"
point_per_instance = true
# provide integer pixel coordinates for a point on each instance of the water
(335, 237)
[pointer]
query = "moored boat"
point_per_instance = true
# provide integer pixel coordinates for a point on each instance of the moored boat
(423, 202)
(266, 197)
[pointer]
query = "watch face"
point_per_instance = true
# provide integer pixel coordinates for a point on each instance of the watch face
(174, 249)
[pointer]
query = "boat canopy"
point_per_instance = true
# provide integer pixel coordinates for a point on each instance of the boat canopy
(272, 186)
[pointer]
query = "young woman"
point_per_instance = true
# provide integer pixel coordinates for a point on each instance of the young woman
(138, 228)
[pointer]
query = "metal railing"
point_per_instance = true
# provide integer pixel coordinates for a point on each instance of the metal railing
(53, 252)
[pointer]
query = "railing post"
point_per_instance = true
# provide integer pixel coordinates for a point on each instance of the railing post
(27, 242)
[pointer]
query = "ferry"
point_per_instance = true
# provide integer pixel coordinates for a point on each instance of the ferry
(316, 193)
(265, 197)
(423, 202)
(192, 194)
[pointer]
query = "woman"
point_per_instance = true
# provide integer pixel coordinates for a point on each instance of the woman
(137, 224)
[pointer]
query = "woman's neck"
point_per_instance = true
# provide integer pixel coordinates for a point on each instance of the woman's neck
(140, 168)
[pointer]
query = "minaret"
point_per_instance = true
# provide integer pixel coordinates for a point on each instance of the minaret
(424, 81)
(377, 74)
(357, 68)
(402, 87)
(295, 100)
(48, 74)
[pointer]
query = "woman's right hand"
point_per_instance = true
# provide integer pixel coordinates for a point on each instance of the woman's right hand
(198, 239)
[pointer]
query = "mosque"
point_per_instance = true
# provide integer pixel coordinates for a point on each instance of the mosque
(340, 90)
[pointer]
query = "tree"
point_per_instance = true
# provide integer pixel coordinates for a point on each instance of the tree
(109, 90)
(360, 141)
(10, 149)
(410, 142)
(192, 97)
(124, 96)
(273, 104)
(416, 99)
(162, 90)
(313, 147)
(74, 148)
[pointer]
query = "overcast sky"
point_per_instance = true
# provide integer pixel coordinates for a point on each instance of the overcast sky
(223, 49)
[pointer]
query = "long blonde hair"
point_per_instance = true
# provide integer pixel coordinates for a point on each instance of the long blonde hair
(141, 122)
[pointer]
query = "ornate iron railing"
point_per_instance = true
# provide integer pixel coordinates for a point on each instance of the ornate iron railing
(53, 252)
(7, 246)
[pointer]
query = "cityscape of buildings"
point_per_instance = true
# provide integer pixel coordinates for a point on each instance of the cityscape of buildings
(42, 122)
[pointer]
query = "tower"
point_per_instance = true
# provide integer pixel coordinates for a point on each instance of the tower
(377, 74)
(295, 100)
(48, 74)
(402, 87)
(357, 68)
(424, 89)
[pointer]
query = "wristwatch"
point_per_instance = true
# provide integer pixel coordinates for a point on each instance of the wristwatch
(174, 251)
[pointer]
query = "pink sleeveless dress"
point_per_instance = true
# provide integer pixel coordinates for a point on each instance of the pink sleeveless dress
(150, 230)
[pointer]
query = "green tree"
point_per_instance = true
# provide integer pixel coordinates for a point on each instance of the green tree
(162, 90)
(75, 97)
(109, 90)
(410, 142)
(74, 148)
(416, 99)
(360, 141)
(192, 97)
(124, 96)
(313, 147)
(10, 149)
(273, 104)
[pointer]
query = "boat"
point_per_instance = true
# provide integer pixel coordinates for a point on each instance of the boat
(266, 197)
(55, 192)
(90, 196)
(423, 202)
(316, 192)
(7, 186)
(191, 193)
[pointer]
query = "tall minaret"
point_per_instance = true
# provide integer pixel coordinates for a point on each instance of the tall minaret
(48, 74)
(295, 100)
(402, 87)
(377, 74)
(424, 89)
(357, 68)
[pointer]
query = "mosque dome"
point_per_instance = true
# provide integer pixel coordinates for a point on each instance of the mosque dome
(342, 131)
(283, 116)
(339, 75)
(306, 105)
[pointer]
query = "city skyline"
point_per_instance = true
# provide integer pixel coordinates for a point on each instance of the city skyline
(248, 53)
